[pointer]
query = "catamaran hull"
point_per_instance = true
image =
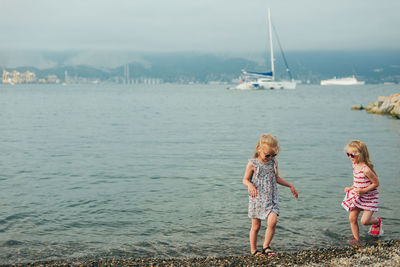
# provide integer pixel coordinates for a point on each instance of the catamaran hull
(278, 85)
(265, 85)
(248, 86)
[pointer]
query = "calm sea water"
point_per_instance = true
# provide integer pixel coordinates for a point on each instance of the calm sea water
(126, 171)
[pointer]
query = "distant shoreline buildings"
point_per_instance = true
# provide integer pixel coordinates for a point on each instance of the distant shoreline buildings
(15, 77)
(28, 77)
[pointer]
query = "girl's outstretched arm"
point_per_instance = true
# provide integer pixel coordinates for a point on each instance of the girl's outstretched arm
(374, 182)
(246, 180)
(283, 182)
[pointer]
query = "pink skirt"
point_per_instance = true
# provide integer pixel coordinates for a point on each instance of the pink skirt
(368, 201)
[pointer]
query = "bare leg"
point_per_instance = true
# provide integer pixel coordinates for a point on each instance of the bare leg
(271, 224)
(376, 228)
(367, 219)
(353, 218)
(255, 227)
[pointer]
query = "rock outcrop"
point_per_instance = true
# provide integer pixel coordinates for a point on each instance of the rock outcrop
(386, 105)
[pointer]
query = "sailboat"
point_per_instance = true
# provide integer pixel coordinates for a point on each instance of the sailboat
(266, 80)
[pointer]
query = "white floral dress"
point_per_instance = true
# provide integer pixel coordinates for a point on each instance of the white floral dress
(264, 179)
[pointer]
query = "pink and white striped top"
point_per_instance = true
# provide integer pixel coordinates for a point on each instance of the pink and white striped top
(368, 201)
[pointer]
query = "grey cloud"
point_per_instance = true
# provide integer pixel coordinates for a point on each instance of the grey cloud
(181, 25)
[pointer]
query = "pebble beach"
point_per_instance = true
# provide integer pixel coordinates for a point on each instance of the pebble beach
(377, 253)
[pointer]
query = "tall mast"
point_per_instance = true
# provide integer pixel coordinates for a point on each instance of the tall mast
(270, 45)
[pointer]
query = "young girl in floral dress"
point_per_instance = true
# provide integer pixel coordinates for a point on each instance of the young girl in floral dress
(363, 195)
(261, 177)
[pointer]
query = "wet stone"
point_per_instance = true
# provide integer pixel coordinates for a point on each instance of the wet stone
(375, 253)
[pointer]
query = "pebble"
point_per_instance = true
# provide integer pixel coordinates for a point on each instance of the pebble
(375, 253)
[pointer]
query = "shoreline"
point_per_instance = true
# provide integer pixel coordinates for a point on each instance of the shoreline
(375, 253)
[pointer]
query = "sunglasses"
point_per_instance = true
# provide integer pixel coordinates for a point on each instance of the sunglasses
(352, 155)
(270, 156)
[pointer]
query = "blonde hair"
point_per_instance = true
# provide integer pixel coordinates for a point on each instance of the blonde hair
(362, 149)
(267, 141)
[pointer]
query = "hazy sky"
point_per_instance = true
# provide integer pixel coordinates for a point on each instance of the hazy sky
(198, 25)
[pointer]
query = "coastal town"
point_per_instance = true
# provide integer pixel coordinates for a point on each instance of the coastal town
(15, 77)
(29, 77)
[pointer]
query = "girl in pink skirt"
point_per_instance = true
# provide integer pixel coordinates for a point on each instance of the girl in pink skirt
(363, 195)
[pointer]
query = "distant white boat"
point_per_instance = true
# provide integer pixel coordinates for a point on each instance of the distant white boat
(259, 80)
(342, 81)
(254, 80)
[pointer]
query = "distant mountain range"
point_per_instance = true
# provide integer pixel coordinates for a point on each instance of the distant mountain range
(311, 66)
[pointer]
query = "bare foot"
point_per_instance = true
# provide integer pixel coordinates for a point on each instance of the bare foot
(354, 241)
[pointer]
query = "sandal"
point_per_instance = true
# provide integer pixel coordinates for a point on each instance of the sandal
(257, 253)
(268, 251)
(376, 229)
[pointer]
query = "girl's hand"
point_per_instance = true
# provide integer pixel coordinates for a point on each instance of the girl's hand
(360, 191)
(347, 189)
(294, 192)
(252, 190)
